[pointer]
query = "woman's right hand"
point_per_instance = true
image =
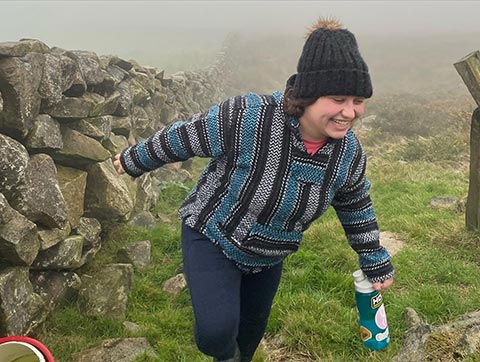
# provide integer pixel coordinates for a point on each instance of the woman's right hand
(118, 165)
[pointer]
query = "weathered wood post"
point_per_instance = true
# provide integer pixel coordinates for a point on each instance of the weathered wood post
(469, 69)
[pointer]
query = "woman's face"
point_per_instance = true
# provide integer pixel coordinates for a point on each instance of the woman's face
(330, 116)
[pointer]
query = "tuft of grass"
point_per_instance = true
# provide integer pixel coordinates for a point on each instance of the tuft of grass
(440, 346)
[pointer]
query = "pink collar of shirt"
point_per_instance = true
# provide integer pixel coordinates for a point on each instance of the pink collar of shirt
(313, 146)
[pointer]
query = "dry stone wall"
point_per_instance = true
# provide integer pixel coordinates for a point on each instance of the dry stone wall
(63, 116)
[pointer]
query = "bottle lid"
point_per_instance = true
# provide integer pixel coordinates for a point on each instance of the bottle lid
(362, 284)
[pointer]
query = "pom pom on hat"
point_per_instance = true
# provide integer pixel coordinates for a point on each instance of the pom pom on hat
(330, 64)
(324, 23)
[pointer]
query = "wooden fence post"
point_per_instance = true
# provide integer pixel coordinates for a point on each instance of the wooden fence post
(472, 215)
(469, 69)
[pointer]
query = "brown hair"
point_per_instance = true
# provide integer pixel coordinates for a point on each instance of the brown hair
(295, 106)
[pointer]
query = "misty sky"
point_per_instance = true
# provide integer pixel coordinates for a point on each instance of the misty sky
(114, 26)
(24, 18)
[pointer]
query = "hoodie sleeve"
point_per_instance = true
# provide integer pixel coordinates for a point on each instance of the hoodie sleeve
(204, 135)
(355, 210)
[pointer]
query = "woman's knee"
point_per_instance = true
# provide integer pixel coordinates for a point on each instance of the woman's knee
(217, 340)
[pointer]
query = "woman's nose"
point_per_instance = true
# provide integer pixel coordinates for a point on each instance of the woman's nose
(349, 112)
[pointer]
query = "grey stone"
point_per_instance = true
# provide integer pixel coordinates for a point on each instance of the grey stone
(164, 218)
(89, 104)
(39, 198)
(117, 71)
(89, 64)
(464, 321)
(159, 75)
(99, 104)
(146, 195)
(44, 134)
(22, 47)
(412, 348)
(115, 144)
(169, 173)
(73, 82)
(136, 66)
(455, 340)
(143, 219)
(143, 126)
(54, 286)
(111, 103)
(461, 206)
(443, 202)
(166, 82)
(19, 83)
(146, 80)
(72, 183)
(89, 252)
(125, 101)
(154, 109)
(412, 317)
(139, 94)
(122, 126)
(21, 310)
(107, 197)
(131, 327)
(175, 285)
(90, 229)
(150, 70)
(51, 237)
(121, 63)
(138, 254)
(19, 242)
(168, 114)
(66, 255)
(469, 342)
(13, 163)
(79, 150)
(113, 76)
(107, 86)
(52, 80)
(118, 350)
(106, 293)
(98, 128)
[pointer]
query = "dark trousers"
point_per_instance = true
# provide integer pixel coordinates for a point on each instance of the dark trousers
(230, 308)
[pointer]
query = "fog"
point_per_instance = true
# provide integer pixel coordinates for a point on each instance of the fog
(58, 20)
(395, 36)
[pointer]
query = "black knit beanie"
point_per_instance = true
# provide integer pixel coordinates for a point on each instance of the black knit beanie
(330, 64)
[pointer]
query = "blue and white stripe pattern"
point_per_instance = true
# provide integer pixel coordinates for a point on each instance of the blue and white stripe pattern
(261, 189)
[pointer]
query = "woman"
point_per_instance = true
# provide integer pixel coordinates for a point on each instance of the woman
(277, 163)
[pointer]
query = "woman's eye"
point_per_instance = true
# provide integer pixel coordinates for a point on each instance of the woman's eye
(338, 100)
(359, 101)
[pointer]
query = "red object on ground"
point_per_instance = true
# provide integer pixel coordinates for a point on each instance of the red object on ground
(37, 344)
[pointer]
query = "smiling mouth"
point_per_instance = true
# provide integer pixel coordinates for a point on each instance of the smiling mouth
(341, 122)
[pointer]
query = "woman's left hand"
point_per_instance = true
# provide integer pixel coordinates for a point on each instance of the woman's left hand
(379, 286)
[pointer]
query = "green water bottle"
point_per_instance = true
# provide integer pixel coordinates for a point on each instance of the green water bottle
(371, 313)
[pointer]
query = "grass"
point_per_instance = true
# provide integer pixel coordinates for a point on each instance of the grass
(314, 314)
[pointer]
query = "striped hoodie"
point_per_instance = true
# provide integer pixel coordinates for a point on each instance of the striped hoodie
(261, 189)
